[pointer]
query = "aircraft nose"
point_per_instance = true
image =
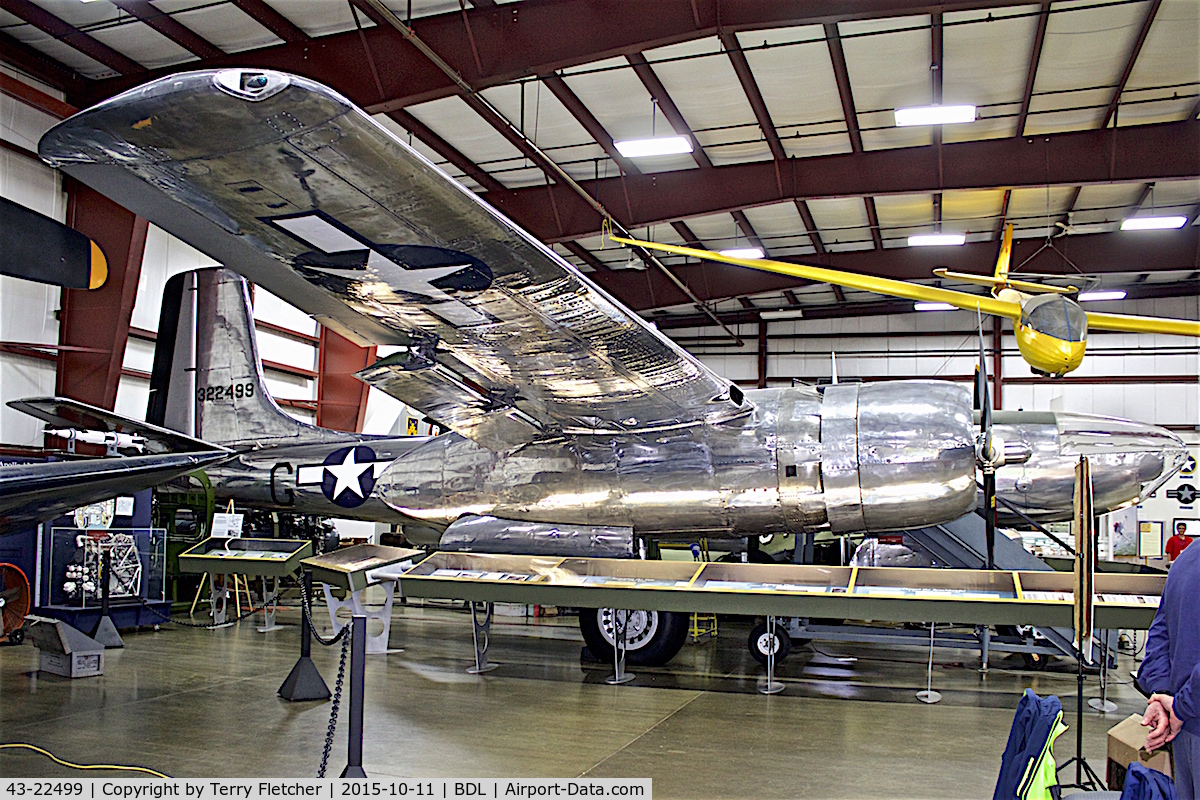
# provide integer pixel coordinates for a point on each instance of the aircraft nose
(1129, 461)
(1147, 454)
(1070, 356)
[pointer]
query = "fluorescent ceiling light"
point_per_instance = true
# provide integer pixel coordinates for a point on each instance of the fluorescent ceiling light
(742, 252)
(657, 146)
(934, 115)
(783, 313)
(932, 307)
(935, 239)
(1153, 223)
(1114, 294)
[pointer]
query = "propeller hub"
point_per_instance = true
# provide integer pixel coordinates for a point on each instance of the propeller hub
(990, 451)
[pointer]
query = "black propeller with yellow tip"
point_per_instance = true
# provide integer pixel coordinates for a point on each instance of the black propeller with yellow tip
(986, 452)
(38, 248)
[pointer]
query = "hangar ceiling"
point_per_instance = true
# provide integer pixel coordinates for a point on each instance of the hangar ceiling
(1087, 114)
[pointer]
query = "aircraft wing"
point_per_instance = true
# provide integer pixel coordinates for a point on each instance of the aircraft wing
(35, 492)
(288, 183)
(850, 280)
(1135, 324)
(63, 412)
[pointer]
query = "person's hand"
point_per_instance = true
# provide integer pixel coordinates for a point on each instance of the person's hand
(1157, 720)
(1161, 720)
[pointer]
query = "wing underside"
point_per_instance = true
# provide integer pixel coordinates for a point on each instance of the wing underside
(499, 338)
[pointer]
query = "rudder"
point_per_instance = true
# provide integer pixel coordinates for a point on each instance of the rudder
(1005, 257)
(207, 378)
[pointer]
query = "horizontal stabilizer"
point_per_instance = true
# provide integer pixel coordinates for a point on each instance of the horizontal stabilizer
(1011, 283)
(509, 537)
(63, 412)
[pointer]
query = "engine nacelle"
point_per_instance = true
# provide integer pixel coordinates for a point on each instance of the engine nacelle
(888, 456)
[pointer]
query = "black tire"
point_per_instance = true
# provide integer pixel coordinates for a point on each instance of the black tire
(1035, 661)
(653, 639)
(759, 642)
(17, 636)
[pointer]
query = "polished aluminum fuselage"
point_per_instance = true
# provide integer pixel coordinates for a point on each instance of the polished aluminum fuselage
(268, 478)
(576, 410)
(854, 458)
(875, 457)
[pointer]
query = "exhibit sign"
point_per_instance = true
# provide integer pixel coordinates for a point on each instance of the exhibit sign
(1150, 539)
(227, 526)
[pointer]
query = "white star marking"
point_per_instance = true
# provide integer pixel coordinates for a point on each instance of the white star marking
(327, 238)
(347, 474)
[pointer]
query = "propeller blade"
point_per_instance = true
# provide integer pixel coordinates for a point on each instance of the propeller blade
(981, 388)
(989, 516)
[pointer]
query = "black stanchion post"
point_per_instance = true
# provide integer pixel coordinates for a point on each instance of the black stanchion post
(304, 682)
(358, 659)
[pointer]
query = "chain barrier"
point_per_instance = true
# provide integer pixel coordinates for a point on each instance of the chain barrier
(336, 702)
(306, 604)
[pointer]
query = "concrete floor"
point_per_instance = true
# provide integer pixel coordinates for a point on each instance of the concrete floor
(203, 703)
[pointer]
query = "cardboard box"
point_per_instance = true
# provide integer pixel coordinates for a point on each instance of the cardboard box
(71, 665)
(1126, 744)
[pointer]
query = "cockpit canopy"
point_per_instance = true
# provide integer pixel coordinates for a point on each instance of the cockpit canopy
(1055, 315)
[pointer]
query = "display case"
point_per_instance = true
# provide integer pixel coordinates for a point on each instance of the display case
(137, 558)
(265, 557)
(353, 568)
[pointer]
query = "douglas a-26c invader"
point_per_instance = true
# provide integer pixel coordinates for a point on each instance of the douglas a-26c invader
(576, 427)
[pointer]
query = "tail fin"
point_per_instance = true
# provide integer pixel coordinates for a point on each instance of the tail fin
(207, 378)
(1002, 262)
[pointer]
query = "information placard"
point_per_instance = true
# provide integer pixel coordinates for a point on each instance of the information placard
(1150, 539)
(227, 526)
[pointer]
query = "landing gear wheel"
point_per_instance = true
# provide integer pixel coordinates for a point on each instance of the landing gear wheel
(761, 643)
(652, 638)
(17, 636)
(1035, 661)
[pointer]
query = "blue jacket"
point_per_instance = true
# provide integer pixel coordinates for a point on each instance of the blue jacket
(1034, 722)
(1142, 783)
(1172, 663)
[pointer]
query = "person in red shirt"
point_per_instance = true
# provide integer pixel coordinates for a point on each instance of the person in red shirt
(1179, 542)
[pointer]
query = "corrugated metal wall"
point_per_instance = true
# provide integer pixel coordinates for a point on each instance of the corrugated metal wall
(26, 309)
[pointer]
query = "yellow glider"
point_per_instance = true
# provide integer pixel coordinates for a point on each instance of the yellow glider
(1051, 329)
